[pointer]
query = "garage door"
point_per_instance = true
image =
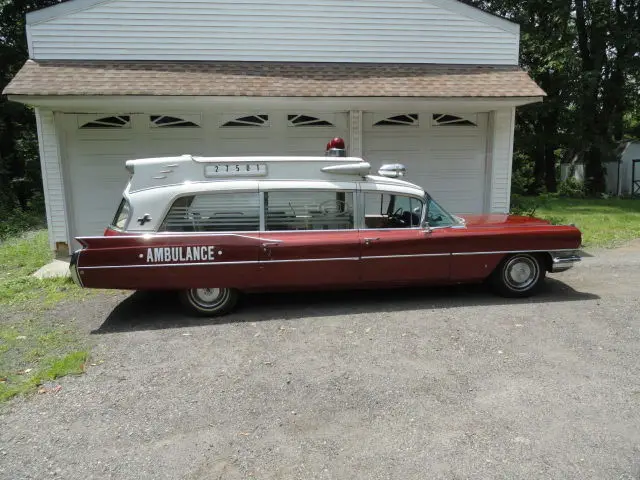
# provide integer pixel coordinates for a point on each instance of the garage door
(444, 153)
(96, 147)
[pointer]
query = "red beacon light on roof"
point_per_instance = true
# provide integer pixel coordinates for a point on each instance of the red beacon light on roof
(336, 148)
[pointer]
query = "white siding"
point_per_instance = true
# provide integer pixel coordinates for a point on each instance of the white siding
(501, 159)
(410, 31)
(51, 177)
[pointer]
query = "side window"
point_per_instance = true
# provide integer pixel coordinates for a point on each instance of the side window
(122, 215)
(309, 210)
(383, 210)
(437, 216)
(214, 212)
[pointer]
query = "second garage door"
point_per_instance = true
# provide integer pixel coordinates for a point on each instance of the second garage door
(444, 153)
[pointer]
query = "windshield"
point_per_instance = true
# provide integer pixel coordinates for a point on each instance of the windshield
(438, 216)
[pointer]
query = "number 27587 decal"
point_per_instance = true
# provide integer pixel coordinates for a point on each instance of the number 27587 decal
(236, 170)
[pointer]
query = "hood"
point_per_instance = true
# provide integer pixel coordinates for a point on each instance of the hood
(501, 220)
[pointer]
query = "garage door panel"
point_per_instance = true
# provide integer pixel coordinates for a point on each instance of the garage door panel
(309, 145)
(448, 161)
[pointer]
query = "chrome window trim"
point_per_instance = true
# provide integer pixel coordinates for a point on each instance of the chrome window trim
(149, 236)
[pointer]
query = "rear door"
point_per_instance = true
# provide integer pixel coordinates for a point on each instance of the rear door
(310, 240)
(395, 248)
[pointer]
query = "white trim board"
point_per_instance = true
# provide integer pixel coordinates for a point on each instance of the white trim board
(102, 104)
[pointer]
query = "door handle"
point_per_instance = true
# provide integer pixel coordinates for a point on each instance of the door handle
(266, 247)
(368, 241)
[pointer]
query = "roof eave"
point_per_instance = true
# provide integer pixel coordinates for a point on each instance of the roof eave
(120, 103)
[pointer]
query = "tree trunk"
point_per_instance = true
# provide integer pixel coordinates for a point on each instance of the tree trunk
(550, 179)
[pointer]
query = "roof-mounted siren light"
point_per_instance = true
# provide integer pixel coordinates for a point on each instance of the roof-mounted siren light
(361, 169)
(392, 170)
(336, 148)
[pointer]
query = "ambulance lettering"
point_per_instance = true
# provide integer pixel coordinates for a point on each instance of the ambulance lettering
(181, 254)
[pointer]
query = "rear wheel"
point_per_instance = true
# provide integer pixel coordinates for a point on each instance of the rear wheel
(209, 302)
(518, 275)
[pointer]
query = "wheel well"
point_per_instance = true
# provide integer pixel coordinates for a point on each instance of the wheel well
(545, 259)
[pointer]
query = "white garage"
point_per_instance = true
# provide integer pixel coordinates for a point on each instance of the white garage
(433, 84)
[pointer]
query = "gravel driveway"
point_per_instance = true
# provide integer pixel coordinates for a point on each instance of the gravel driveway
(411, 384)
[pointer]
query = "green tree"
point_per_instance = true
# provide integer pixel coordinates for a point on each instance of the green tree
(20, 180)
(585, 55)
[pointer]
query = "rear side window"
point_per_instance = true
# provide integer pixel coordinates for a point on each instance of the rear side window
(214, 212)
(122, 215)
(309, 210)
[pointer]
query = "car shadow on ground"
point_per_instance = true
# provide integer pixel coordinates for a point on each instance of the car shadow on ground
(162, 310)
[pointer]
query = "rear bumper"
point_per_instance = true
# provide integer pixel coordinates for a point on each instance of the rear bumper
(563, 261)
(73, 269)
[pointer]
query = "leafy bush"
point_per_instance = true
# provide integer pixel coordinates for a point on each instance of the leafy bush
(525, 206)
(522, 179)
(15, 221)
(571, 188)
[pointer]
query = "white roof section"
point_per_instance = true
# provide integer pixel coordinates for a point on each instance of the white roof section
(239, 173)
(374, 31)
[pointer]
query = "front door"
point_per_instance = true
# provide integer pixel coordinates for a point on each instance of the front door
(396, 250)
(309, 240)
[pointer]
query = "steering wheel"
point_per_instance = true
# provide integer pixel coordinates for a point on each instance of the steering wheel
(397, 217)
(333, 207)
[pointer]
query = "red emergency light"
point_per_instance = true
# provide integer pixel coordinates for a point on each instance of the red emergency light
(336, 148)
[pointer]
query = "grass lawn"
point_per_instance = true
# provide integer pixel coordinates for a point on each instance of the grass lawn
(34, 348)
(604, 223)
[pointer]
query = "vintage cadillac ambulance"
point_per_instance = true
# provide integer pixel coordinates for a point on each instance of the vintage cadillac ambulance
(215, 227)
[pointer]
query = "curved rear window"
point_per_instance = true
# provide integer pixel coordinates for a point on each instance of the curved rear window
(122, 215)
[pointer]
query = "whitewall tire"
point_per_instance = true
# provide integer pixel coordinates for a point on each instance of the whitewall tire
(209, 302)
(518, 275)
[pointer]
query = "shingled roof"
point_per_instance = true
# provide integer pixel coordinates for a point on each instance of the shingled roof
(270, 79)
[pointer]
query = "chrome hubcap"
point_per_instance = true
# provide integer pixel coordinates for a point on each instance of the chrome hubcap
(208, 298)
(521, 273)
(208, 295)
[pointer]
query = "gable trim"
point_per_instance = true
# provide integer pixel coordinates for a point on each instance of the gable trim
(477, 14)
(72, 6)
(61, 9)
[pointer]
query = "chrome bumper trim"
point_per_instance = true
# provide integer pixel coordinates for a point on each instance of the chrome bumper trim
(73, 269)
(562, 264)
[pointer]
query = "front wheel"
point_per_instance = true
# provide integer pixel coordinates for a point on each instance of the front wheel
(209, 302)
(518, 276)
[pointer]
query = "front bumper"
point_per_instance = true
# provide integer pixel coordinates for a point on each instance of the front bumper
(73, 268)
(563, 261)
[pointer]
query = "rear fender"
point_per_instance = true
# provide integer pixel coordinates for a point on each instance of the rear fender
(168, 261)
